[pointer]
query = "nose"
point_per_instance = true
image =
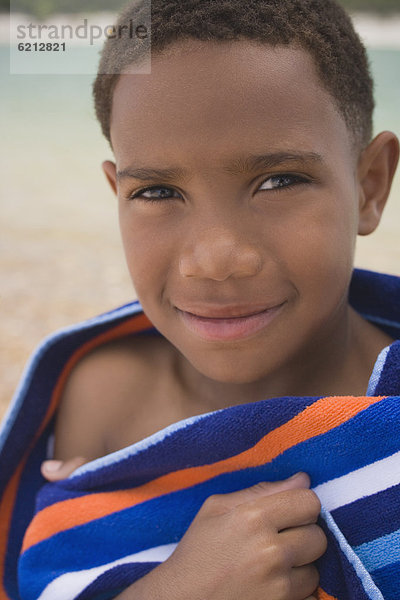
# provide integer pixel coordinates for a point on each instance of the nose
(219, 254)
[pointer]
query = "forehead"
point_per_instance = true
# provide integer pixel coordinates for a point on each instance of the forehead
(204, 97)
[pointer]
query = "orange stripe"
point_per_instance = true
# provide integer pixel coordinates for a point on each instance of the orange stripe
(322, 595)
(6, 508)
(135, 324)
(315, 420)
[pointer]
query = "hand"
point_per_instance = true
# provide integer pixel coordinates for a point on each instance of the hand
(55, 470)
(253, 544)
(249, 545)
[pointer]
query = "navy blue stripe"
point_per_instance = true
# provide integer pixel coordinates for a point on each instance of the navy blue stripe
(387, 580)
(22, 514)
(389, 380)
(376, 294)
(208, 440)
(369, 518)
(115, 581)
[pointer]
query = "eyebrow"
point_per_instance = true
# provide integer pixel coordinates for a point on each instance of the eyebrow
(240, 165)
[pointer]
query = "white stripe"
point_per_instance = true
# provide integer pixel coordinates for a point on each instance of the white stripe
(366, 481)
(377, 371)
(69, 585)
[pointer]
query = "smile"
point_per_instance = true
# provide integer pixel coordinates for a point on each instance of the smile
(228, 328)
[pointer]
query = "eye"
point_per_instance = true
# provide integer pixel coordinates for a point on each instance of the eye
(155, 194)
(283, 180)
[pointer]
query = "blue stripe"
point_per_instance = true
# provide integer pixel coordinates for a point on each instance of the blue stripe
(369, 428)
(380, 552)
(159, 521)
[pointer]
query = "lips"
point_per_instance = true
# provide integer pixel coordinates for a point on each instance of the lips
(228, 323)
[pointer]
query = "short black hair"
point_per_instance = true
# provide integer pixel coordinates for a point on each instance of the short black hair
(322, 27)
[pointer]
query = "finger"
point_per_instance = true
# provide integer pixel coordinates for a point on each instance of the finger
(304, 544)
(292, 508)
(55, 470)
(304, 581)
(277, 512)
(262, 489)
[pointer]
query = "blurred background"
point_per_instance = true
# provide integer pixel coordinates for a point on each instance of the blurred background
(61, 259)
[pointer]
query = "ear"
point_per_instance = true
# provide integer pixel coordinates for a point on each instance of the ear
(376, 168)
(110, 171)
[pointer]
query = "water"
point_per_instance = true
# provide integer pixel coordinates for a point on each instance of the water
(385, 65)
(68, 97)
(53, 110)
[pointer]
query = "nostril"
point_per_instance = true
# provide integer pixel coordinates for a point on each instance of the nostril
(185, 267)
(204, 268)
(219, 260)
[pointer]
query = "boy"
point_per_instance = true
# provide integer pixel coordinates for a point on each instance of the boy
(244, 172)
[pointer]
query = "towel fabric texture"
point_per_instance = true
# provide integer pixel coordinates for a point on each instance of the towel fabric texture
(114, 519)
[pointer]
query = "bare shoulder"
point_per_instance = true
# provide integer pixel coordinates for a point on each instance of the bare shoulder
(104, 392)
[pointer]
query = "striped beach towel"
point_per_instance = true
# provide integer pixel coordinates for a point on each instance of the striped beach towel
(114, 519)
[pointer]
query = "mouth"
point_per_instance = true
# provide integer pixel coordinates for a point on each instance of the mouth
(228, 323)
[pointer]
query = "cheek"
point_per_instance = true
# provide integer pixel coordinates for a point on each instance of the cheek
(322, 246)
(149, 251)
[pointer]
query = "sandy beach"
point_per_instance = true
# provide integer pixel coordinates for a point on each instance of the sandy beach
(60, 256)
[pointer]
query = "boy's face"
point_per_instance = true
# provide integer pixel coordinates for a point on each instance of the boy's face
(225, 235)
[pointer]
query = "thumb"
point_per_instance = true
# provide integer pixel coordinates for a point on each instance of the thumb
(264, 488)
(55, 470)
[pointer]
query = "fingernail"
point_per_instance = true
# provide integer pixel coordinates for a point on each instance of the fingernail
(52, 465)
